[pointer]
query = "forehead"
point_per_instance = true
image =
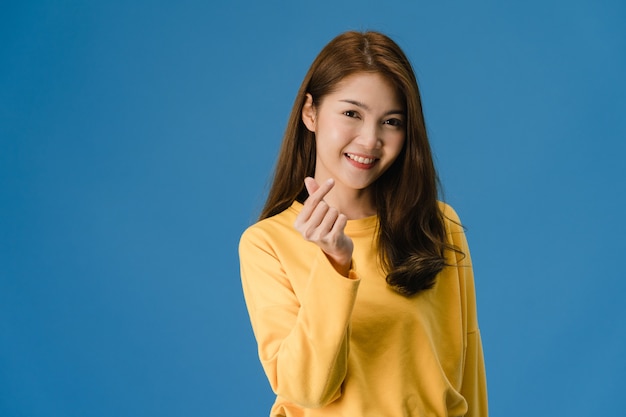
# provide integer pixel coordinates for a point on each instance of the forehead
(371, 88)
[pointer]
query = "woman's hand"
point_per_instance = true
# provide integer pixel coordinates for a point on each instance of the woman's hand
(324, 225)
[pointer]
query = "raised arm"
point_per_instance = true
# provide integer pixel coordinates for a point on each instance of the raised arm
(303, 335)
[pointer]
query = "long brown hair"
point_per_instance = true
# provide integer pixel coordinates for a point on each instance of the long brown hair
(411, 231)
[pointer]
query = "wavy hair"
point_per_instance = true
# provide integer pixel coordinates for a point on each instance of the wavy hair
(411, 230)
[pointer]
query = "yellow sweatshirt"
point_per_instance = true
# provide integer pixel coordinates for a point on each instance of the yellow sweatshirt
(334, 346)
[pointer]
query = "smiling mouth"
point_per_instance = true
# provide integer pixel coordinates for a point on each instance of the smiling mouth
(361, 160)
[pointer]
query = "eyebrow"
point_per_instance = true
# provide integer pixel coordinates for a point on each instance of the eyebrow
(366, 107)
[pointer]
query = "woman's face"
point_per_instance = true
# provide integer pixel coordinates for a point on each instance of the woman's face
(359, 130)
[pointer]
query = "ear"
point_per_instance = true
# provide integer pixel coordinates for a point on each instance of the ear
(309, 113)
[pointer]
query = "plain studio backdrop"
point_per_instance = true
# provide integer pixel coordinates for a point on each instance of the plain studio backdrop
(136, 143)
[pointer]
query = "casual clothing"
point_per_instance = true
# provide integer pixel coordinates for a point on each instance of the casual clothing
(353, 347)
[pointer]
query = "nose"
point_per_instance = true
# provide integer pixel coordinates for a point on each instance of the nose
(370, 136)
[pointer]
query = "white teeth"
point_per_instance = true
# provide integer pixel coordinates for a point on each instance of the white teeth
(360, 159)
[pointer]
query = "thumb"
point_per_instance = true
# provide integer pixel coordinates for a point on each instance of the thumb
(311, 185)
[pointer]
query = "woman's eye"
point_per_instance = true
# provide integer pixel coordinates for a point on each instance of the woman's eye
(350, 113)
(393, 122)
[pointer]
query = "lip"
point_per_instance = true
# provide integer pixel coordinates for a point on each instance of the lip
(361, 161)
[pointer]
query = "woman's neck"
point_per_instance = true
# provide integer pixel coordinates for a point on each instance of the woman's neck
(354, 204)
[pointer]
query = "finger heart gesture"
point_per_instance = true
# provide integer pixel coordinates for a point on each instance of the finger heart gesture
(324, 225)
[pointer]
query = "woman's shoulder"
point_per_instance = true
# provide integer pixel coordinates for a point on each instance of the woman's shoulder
(273, 226)
(451, 218)
(448, 212)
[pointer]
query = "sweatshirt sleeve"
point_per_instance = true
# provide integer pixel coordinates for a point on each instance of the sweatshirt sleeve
(302, 341)
(474, 383)
(474, 380)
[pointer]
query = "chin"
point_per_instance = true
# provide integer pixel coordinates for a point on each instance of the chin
(359, 185)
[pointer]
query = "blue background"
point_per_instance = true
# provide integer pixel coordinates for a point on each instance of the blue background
(137, 139)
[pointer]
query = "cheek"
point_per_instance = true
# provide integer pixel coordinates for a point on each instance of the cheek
(396, 146)
(335, 134)
(340, 127)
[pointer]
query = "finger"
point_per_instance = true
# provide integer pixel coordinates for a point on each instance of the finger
(311, 185)
(340, 224)
(312, 225)
(318, 195)
(327, 223)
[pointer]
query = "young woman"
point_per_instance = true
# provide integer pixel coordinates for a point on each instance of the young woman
(357, 280)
